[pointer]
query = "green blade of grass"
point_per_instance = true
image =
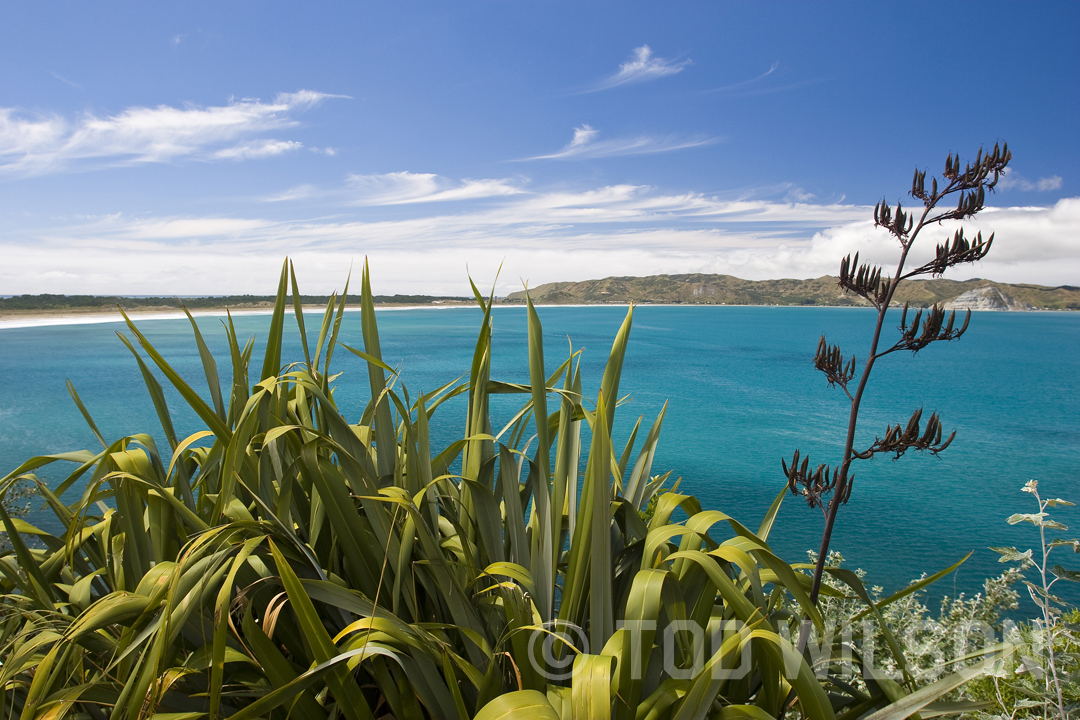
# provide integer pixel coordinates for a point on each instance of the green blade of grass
(335, 329)
(272, 357)
(911, 704)
(299, 310)
(383, 422)
(519, 705)
(601, 600)
(156, 395)
(350, 700)
(609, 385)
(545, 556)
(85, 413)
(215, 423)
(324, 330)
(913, 587)
(591, 689)
(638, 482)
(209, 366)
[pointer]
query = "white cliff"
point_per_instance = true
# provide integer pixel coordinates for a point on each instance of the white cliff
(985, 298)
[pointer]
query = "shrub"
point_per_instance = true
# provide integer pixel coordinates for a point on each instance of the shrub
(1046, 676)
(286, 562)
(17, 502)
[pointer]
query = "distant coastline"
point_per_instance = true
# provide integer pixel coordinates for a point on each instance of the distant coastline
(11, 321)
(658, 290)
(39, 310)
(705, 289)
(90, 316)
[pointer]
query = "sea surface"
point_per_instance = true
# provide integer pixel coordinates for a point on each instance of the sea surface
(743, 394)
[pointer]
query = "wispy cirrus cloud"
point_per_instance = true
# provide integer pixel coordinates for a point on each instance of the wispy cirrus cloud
(641, 67)
(755, 86)
(64, 80)
(621, 216)
(585, 144)
(300, 192)
(265, 148)
(1012, 180)
(400, 188)
(794, 193)
(42, 144)
(745, 83)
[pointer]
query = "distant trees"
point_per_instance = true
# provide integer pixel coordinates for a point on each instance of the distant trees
(109, 302)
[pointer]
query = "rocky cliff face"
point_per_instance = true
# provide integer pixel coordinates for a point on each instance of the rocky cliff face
(986, 298)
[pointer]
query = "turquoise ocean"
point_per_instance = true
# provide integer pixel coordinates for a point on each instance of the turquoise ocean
(743, 394)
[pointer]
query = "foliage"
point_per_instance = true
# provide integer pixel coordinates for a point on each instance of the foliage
(1017, 688)
(969, 188)
(17, 502)
(285, 562)
(1050, 646)
(1044, 655)
(934, 644)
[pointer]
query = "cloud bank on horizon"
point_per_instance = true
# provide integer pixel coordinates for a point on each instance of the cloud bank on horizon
(539, 236)
(436, 144)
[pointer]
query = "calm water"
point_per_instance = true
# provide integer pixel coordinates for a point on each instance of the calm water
(743, 393)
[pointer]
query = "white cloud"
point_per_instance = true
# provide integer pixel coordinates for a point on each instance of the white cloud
(1010, 180)
(585, 145)
(583, 137)
(190, 228)
(744, 83)
(50, 143)
(302, 99)
(642, 66)
(403, 188)
(300, 192)
(797, 194)
(1032, 244)
(265, 148)
(400, 188)
(64, 80)
(543, 236)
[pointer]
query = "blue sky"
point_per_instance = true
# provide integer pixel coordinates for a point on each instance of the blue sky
(188, 147)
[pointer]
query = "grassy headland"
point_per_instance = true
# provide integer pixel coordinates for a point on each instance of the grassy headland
(699, 289)
(728, 290)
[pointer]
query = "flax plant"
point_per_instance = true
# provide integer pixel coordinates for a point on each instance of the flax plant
(828, 487)
(287, 562)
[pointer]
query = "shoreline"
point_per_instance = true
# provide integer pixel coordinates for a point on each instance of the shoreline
(46, 318)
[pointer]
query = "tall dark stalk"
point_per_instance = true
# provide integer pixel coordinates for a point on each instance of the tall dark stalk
(970, 185)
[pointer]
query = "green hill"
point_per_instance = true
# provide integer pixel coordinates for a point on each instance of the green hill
(728, 290)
